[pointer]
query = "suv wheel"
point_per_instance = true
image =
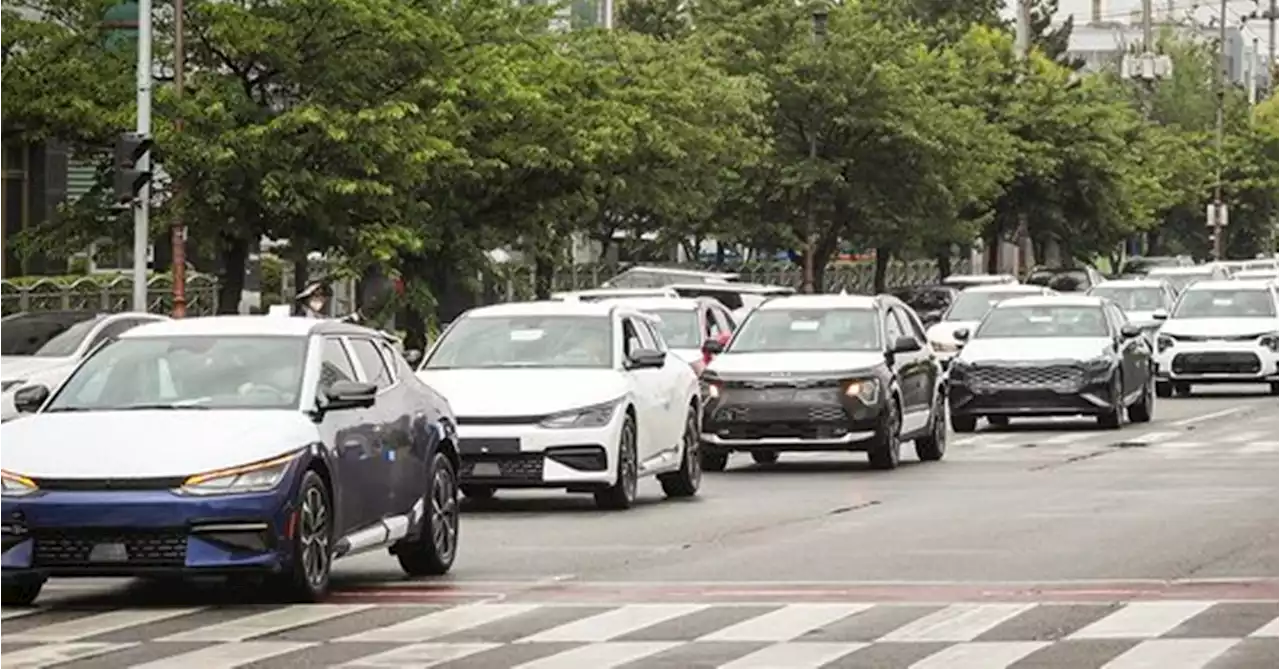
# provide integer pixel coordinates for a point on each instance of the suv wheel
(305, 578)
(933, 446)
(685, 481)
(887, 444)
(963, 424)
(432, 550)
(1141, 411)
(622, 494)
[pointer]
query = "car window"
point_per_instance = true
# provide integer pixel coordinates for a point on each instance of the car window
(394, 359)
(724, 320)
(45, 335)
(639, 335)
(893, 328)
(335, 364)
(649, 332)
(780, 330)
(526, 341)
(911, 323)
(375, 368)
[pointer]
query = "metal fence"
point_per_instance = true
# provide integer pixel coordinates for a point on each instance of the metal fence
(107, 295)
(514, 282)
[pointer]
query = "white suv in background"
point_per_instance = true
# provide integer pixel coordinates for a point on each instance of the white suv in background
(1219, 332)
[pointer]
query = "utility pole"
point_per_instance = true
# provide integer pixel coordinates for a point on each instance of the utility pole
(1271, 45)
(142, 205)
(1218, 220)
(1251, 71)
(810, 273)
(606, 8)
(178, 231)
(1022, 44)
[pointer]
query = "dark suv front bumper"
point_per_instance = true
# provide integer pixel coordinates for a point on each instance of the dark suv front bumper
(819, 419)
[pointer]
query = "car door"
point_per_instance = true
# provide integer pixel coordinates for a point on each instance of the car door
(676, 383)
(647, 388)
(911, 369)
(351, 435)
(1131, 353)
(390, 424)
(930, 371)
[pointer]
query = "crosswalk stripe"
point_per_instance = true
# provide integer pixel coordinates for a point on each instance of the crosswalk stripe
(1270, 629)
(226, 655)
(441, 623)
(1154, 438)
(1237, 437)
(421, 655)
(980, 655)
(268, 622)
(600, 655)
(794, 655)
(1259, 447)
(1141, 620)
(18, 613)
(57, 653)
(958, 622)
(102, 623)
(615, 623)
(786, 623)
(1171, 654)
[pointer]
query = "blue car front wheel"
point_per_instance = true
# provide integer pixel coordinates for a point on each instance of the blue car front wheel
(21, 590)
(306, 574)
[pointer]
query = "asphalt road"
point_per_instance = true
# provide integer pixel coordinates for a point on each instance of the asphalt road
(1045, 544)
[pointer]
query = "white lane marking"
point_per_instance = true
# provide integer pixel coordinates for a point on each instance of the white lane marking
(18, 613)
(786, 623)
(83, 628)
(615, 623)
(794, 656)
(267, 622)
(957, 623)
(600, 655)
(980, 655)
(1179, 445)
(1171, 654)
(1153, 438)
(227, 655)
(422, 655)
(1270, 629)
(1141, 620)
(1259, 447)
(1238, 437)
(441, 623)
(1208, 416)
(55, 654)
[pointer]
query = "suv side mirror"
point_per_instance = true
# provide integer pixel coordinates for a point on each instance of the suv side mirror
(1160, 314)
(29, 399)
(646, 358)
(413, 356)
(713, 347)
(931, 317)
(906, 345)
(1129, 331)
(961, 335)
(349, 395)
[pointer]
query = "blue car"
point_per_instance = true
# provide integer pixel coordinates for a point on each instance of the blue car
(235, 445)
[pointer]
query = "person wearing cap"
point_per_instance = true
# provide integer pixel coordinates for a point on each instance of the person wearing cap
(314, 300)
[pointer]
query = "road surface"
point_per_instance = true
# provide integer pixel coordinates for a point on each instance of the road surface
(1047, 544)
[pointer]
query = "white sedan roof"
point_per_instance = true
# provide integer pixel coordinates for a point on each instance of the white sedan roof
(657, 303)
(819, 302)
(225, 326)
(1068, 300)
(544, 308)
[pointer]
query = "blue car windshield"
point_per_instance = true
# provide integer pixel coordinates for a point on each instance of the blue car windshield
(225, 372)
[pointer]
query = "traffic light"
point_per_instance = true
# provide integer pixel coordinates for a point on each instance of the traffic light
(129, 179)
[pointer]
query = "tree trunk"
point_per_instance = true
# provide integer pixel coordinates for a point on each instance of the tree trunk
(301, 270)
(993, 250)
(1153, 242)
(234, 256)
(543, 273)
(943, 259)
(883, 256)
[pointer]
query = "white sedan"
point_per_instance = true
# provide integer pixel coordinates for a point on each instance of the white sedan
(1219, 332)
(573, 395)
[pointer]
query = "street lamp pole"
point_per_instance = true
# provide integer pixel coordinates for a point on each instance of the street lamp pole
(142, 205)
(1218, 220)
(810, 273)
(178, 231)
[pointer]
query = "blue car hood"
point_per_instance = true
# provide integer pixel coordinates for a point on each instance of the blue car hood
(141, 444)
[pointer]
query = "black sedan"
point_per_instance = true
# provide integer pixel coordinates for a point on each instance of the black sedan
(1062, 355)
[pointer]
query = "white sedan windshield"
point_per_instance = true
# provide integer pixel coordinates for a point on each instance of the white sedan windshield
(525, 341)
(188, 372)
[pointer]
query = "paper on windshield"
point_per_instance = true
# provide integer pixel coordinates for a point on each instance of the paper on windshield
(1040, 319)
(1223, 301)
(527, 335)
(804, 326)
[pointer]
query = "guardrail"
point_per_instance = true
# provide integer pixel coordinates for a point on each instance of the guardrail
(107, 295)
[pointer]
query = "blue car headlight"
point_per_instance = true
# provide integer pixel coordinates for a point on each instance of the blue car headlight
(16, 485)
(255, 477)
(596, 415)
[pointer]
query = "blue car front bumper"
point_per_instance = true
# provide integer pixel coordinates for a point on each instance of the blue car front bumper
(141, 532)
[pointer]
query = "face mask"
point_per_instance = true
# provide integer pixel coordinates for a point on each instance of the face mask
(317, 304)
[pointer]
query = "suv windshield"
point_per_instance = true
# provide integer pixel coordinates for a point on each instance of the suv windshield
(1065, 280)
(679, 328)
(970, 306)
(197, 372)
(777, 330)
(46, 335)
(1225, 304)
(1132, 298)
(525, 341)
(1043, 321)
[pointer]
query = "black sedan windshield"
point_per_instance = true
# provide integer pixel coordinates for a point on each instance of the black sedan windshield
(1225, 304)
(50, 335)
(526, 341)
(233, 372)
(778, 330)
(1043, 321)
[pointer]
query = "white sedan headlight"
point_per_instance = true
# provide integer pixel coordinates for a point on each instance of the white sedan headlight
(15, 485)
(256, 477)
(597, 415)
(944, 347)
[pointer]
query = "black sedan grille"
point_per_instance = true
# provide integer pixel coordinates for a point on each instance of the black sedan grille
(83, 547)
(1047, 376)
(521, 468)
(796, 413)
(1220, 362)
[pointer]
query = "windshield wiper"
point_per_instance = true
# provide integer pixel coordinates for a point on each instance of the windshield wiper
(174, 406)
(68, 409)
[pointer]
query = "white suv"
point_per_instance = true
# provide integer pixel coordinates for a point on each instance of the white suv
(1219, 332)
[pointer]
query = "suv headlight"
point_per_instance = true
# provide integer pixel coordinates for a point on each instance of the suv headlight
(1163, 343)
(597, 415)
(1270, 342)
(15, 485)
(256, 477)
(865, 390)
(944, 347)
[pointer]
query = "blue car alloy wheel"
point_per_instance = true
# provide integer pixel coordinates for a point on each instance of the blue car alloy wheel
(306, 576)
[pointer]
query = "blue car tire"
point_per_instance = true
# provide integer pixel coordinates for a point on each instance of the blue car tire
(431, 550)
(21, 590)
(305, 578)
